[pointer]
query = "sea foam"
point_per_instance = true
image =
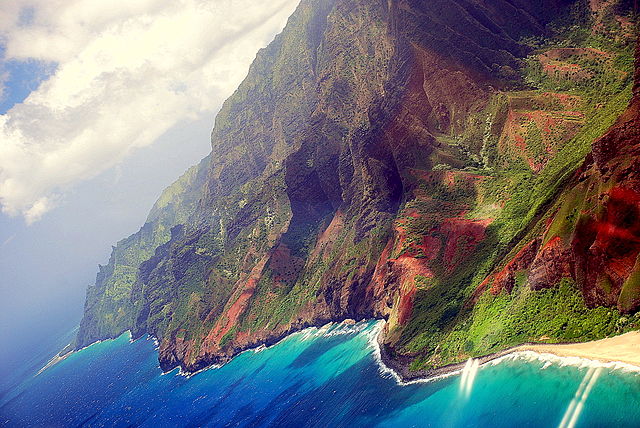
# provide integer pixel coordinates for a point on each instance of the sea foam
(547, 358)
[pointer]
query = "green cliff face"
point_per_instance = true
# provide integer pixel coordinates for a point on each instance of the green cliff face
(109, 308)
(425, 162)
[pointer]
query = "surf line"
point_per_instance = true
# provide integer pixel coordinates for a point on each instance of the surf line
(329, 329)
(385, 370)
(509, 354)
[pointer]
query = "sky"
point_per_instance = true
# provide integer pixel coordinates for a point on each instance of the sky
(102, 105)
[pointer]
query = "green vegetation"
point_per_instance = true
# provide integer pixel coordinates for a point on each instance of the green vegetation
(227, 338)
(630, 294)
(551, 315)
(330, 127)
(443, 328)
(111, 307)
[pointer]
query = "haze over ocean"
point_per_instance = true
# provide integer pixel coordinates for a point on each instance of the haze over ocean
(468, 171)
(45, 267)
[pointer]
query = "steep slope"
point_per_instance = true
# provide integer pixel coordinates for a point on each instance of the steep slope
(377, 161)
(108, 309)
(557, 261)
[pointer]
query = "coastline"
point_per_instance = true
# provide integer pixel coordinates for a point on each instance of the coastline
(617, 351)
(622, 350)
(53, 361)
(399, 365)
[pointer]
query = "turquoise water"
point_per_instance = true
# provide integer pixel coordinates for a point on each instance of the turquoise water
(324, 378)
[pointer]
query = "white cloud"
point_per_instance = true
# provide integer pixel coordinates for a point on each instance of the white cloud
(126, 74)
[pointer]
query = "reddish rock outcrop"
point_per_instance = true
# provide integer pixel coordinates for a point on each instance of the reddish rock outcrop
(505, 279)
(358, 109)
(553, 262)
(603, 250)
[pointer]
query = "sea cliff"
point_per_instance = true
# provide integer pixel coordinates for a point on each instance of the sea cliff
(465, 170)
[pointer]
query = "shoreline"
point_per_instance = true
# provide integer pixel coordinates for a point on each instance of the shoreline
(617, 351)
(53, 361)
(624, 349)
(400, 364)
(621, 351)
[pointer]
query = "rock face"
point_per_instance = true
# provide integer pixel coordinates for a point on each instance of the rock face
(601, 246)
(373, 164)
(606, 241)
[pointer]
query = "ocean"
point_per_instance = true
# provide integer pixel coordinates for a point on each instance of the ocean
(328, 377)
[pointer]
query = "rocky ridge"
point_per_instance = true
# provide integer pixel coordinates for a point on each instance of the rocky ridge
(365, 168)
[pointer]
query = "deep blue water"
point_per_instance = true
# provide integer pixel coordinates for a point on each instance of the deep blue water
(323, 378)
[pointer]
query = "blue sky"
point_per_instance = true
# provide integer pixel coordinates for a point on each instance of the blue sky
(101, 108)
(20, 79)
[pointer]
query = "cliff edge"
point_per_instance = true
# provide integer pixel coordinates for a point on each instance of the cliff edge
(427, 163)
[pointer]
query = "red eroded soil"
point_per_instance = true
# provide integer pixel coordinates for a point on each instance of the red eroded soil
(284, 266)
(462, 237)
(611, 244)
(505, 278)
(231, 314)
(327, 238)
(555, 62)
(552, 128)
(567, 101)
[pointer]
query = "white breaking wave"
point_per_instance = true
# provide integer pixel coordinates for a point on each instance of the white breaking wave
(387, 371)
(156, 343)
(343, 329)
(579, 362)
(326, 330)
(189, 375)
(57, 358)
(466, 385)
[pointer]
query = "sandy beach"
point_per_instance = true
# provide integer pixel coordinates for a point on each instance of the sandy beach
(624, 348)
